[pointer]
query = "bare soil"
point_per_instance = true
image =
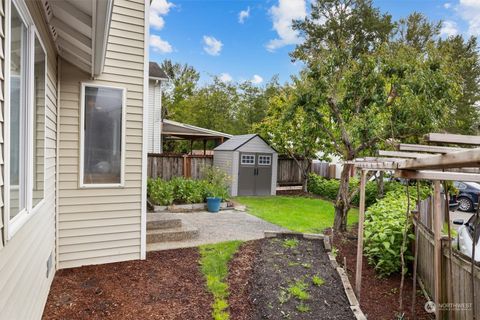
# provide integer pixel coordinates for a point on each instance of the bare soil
(379, 296)
(167, 285)
(273, 270)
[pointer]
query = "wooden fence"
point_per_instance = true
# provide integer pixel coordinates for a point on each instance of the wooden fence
(168, 166)
(457, 293)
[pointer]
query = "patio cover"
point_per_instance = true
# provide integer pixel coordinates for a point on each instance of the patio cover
(181, 131)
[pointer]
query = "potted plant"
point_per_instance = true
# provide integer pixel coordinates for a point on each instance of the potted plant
(214, 196)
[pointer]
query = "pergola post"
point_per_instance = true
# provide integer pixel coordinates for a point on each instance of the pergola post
(437, 235)
(361, 218)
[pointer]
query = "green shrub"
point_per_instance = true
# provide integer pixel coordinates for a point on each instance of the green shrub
(185, 191)
(328, 188)
(385, 222)
(188, 190)
(160, 192)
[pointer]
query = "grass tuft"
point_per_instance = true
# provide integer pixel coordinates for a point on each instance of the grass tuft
(300, 214)
(214, 265)
(290, 243)
(317, 281)
(299, 290)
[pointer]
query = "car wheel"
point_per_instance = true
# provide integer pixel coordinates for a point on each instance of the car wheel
(465, 204)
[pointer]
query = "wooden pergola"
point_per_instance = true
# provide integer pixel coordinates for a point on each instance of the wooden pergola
(423, 162)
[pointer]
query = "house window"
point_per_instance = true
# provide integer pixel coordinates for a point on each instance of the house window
(25, 117)
(103, 136)
(248, 159)
(264, 160)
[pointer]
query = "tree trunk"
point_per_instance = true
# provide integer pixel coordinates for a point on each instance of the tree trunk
(342, 203)
(380, 184)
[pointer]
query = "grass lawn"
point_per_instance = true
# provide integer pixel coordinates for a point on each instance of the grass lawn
(299, 214)
(214, 265)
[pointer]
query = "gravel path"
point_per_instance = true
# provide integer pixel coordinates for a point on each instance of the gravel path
(218, 227)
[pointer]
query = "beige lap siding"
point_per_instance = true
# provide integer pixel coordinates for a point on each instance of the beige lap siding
(24, 283)
(103, 225)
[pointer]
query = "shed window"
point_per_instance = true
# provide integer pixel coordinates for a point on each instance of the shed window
(264, 160)
(103, 136)
(25, 113)
(248, 159)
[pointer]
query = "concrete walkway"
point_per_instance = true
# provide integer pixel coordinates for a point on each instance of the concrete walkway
(217, 227)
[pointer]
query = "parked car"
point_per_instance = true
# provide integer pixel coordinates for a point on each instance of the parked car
(466, 235)
(467, 196)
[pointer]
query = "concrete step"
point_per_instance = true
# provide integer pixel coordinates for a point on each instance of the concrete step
(172, 234)
(159, 222)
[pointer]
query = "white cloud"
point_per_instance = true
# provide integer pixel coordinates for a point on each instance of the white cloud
(159, 45)
(447, 5)
(212, 46)
(469, 11)
(256, 79)
(225, 77)
(449, 28)
(158, 9)
(282, 16)
(244, 14)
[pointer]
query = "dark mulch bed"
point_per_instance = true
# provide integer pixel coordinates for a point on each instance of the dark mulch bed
(379, 297)
(168, 285)
(268, 268)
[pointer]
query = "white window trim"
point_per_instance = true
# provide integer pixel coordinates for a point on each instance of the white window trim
(82, 138)
(247, 163)
(267, 157)
(12, 225)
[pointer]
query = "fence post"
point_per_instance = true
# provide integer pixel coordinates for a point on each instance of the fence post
(361, 216)
(437, 235)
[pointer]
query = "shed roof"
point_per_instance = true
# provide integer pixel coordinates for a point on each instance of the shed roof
(236, 142)
(155, 72)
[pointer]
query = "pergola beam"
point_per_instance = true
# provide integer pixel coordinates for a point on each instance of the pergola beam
(461, 159)
(402, 154)
(425, 148)
(437, 175)
(453, 138)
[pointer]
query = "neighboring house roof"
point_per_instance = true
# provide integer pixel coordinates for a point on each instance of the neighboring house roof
(237, 141)
(188, 131)
(80, 30)
(155, 72)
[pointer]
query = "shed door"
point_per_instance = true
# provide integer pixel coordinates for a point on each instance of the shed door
(246, 174)
(263, 178)
(255, 174)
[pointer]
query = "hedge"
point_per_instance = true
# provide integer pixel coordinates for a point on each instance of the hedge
(328, 188)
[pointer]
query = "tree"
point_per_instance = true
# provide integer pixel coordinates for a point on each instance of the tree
(364, 83)
(182, 85)
(465, 117)
(290, 131)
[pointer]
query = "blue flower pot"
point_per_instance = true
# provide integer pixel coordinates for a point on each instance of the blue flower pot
(213, 204)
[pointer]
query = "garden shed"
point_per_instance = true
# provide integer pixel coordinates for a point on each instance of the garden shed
(250, 162)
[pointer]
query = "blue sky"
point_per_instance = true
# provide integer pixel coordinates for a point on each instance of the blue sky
(242, 40)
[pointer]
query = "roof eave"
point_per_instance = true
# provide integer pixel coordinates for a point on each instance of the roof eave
(101, 29)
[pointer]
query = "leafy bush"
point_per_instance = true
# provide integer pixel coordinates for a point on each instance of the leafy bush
(385, 222)
(160, 192)
(188, 190)
(328, 188)
(180, 190)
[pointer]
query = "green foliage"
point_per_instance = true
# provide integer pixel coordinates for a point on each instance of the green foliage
(290, 243)
(299, 214)
(385, 222)
(317, 281)
(214, 265)
(160, 192)
(217, 182)
(302, 307)
(299, 290)
(328, 188)
(188, 190)
(180, 190)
